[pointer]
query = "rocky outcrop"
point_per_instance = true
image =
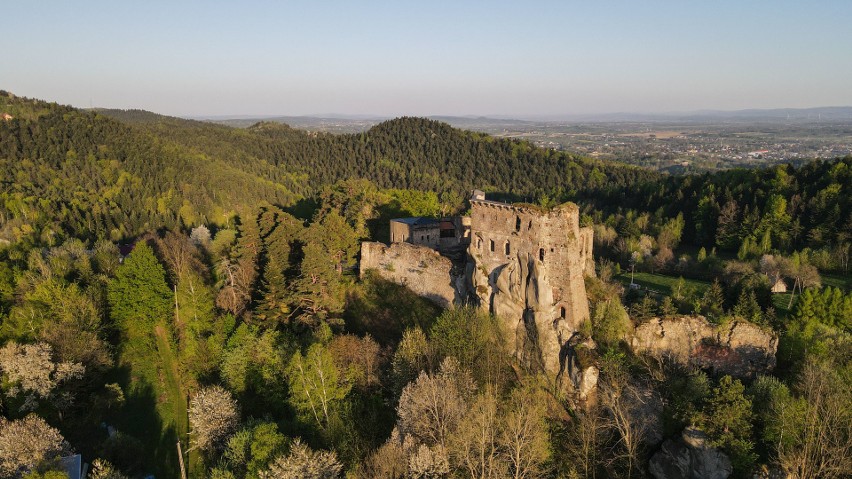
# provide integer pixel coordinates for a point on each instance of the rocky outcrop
(689, 457)
(737, 348)
(522, 299)
(420, 268)
(581, 371)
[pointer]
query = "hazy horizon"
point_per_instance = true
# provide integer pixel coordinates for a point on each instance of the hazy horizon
(388, 59)
(498, 116)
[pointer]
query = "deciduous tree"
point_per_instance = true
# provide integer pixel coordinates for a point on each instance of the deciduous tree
(303, 462)
(431, 407)
(213, 417)
(316, 386)
(26, 443)
(30, 372)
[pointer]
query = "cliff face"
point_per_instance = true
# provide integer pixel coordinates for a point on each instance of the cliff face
(527, 266)
(420, 268)
(737, 348)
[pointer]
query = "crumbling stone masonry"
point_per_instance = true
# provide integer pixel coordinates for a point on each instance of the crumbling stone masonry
(527, 266)
(421, 269)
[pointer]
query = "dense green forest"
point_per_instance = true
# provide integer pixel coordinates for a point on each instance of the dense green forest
(167, 284)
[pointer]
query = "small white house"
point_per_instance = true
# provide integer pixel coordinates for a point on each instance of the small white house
(780, 286)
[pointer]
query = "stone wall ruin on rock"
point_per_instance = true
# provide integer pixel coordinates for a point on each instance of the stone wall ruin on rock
(420, 268)
(527, 266)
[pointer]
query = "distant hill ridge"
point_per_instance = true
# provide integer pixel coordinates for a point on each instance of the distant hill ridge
(65, 171)
(117, 173)
(360, 122)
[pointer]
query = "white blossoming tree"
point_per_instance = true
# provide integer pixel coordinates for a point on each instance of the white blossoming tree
(32, 374)
(26, 443)
(213, 416)
(304, 463)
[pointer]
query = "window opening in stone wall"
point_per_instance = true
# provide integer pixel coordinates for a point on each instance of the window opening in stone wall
(541, 254)
(529, 227)
(479, 244)
(492, 245)
(562, 312)
(508, 249)
(517, 223)
(427, 237)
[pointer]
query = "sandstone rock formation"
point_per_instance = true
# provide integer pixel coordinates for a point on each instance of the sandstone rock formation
(689, 457)
(527, 266)
(420, 268)
(581, 371)
(737, 348)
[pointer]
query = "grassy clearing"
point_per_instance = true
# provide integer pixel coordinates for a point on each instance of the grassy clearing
(155, 410)
(662, 283)
(174, 399)
(781, 301)
(837, 281)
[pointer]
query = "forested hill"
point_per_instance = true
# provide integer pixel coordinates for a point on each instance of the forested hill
(781, 207)
(238, 315)
(116, 174)
(119, 173)
(413, 153)
(70, 172)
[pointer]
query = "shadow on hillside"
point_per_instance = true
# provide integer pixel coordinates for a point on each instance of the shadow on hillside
(385, 309)
(304, 209)
(141, 444)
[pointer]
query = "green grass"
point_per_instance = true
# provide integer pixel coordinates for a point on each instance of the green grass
(175, 397)
(662, 283)
(155, 410)
(780, 301)
(837, 281)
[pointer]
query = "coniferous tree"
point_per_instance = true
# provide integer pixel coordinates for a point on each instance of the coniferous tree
(280, 231)
(729, 425)
(329, 250)
(139, 292)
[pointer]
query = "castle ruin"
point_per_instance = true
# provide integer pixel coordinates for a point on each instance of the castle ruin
(528, 267)
(525, 264)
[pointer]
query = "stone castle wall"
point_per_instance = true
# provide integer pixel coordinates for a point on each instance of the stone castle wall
(420, 268)
(524, 264)
(528, 267)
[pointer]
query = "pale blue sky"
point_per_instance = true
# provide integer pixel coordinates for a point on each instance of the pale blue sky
(428, 57)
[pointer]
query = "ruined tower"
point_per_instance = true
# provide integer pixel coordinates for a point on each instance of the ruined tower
(528, 265)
